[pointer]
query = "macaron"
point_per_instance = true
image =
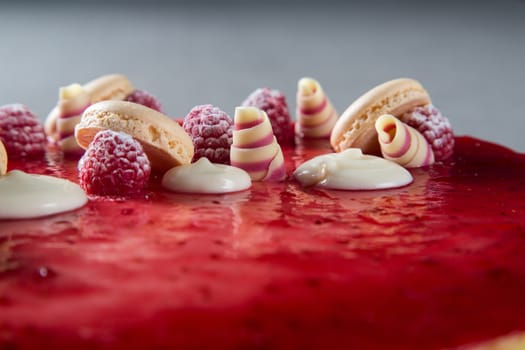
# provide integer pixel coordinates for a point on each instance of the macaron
(355, 128)
(106, 87)
(163, 139)
(109, 87)
(3, 159)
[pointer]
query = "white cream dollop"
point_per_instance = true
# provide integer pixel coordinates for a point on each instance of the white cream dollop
(25, 196)
(352, 170)
(206, 177)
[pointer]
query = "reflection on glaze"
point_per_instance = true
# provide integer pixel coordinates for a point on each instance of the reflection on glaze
(351, 170)
(24, 196)
(206, 177)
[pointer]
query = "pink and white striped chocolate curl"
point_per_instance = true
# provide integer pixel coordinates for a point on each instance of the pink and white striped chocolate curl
(254, 147)
(402, 143)
(73, 100)
(315, 113)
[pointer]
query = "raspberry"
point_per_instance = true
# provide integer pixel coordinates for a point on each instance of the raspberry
(113, 164)
(211, 132)
(145, 98)
(273, 102)
(435, 127)
(21, 132)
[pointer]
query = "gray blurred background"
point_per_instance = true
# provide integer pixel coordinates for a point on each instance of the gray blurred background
(469, 55)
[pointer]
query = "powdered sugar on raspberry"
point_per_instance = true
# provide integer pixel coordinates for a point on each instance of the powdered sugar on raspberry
(435, 127)
(21, 132)
(211, 132)
(273, 102)
(145, 98)
(114, 164)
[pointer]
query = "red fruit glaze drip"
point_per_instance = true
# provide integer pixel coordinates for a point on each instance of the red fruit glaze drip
(432, 265)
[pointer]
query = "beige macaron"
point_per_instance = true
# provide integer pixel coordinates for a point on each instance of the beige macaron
(3, 159)
(106, 87)
(164, 140)
(356, 126)
(109, 87)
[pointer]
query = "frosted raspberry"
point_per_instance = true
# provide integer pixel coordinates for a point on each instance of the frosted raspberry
(273, 102)
(113, 164)
(211, 132)
(145, 98)
(436, 128)
(21, 132)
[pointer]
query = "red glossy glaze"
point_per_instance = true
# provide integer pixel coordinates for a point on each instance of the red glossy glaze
(432, 265)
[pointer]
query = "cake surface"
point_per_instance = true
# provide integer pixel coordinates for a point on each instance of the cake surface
(434, 265)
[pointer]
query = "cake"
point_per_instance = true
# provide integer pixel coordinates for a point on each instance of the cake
(437, 264)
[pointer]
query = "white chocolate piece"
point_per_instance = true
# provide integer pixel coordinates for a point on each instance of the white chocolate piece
(206, 177)
(352, 170)
(3, 159)
(402, 144)
(315, 113)
(255, 148)
(73, 100)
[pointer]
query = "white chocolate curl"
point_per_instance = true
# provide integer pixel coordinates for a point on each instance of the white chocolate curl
(3, 159)
(402, 143)
(73, 100)
(316, 115)
(255, 148)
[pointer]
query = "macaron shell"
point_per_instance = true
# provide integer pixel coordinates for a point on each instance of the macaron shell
(356, 126)
(109, 87)
(164, 140)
